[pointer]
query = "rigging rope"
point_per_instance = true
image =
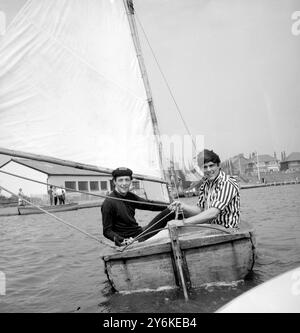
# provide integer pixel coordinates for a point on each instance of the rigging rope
(166, 82)
(181, 226)
(175, 185)
(60, 220)
(145, 231)
(82, 192)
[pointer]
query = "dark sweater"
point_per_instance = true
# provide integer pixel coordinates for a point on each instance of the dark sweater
(118, 216)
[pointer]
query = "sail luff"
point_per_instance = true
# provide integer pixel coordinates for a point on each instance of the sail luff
(133, 28)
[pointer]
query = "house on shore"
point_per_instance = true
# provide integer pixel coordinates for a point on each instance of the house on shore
(262, 163)
(291, 162)
(235, 165)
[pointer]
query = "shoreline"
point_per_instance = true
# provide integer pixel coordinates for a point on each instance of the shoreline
(246, 186)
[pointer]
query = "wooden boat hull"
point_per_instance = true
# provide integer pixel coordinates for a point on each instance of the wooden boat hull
(27, 210)
(208, 255)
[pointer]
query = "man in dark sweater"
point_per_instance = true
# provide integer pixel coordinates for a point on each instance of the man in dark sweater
(118, 210)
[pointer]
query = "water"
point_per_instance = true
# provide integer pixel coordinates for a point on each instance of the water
(52, 268)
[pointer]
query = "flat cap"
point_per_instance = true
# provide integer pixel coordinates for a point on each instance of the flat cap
(119, 172)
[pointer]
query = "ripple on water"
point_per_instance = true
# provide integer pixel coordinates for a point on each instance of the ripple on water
(51, 268)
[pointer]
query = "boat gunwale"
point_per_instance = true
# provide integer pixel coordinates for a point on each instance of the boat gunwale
(190, 241)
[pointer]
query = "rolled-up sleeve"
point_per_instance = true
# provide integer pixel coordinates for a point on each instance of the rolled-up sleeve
(223, 196)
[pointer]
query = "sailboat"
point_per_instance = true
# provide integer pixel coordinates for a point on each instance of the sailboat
(77, 94)
(28, 210)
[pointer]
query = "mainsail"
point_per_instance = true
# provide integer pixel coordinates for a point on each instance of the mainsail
(71, 86)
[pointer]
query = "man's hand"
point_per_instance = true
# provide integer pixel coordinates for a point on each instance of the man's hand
(177, 223)
(121, 241)
(127, 241)
(118, 240)
(174, 205)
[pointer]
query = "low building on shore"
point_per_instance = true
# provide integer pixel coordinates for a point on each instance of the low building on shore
(42, 172)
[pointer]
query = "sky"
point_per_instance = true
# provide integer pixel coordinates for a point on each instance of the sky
(232, 66)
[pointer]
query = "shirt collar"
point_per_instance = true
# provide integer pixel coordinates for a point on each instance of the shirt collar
(220, 177)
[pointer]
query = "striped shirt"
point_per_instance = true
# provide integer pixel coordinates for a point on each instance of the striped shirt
(222, 193)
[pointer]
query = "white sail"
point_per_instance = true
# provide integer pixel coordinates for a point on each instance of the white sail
(71, 86)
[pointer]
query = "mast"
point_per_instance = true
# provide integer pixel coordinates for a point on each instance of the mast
(230, 167)
(258, 172)
(133, 28)
(240, 165)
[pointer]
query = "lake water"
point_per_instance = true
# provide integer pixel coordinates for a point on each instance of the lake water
(52, 268)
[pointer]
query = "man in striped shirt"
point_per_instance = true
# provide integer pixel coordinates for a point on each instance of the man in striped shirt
(219, 197)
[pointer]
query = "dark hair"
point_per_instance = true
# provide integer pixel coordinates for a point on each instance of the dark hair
(208, 156)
